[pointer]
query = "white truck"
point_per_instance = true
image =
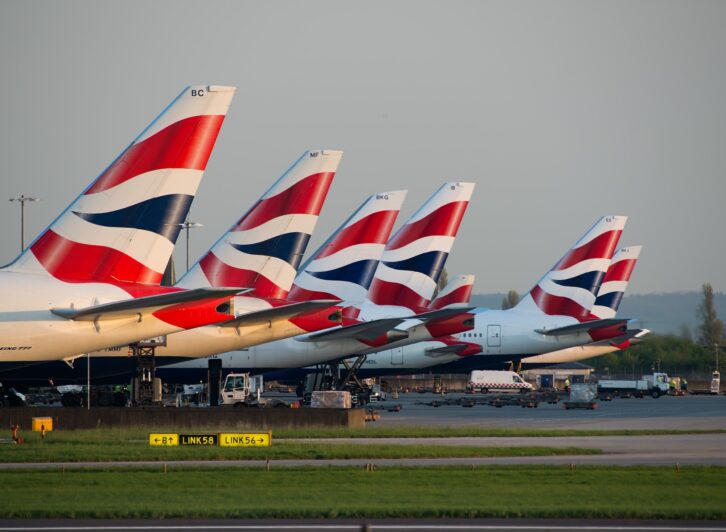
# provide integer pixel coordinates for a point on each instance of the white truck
(485, 381)
(241, 389)
(654, 385)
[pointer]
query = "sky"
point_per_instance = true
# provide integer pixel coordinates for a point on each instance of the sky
(560, 111)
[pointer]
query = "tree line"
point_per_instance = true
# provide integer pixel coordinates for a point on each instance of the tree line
(683, 355)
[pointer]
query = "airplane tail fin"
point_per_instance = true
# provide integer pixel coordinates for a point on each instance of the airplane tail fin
(264, 248)
(415, 256)
(616, 282)
(344, 265)
(123, 227)
(569, 288)
(456, 292)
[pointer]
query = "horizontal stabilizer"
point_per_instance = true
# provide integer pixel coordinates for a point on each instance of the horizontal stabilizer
(445, 350)
(442, 313)
(279, 313)
(632, 335)
(368, 330)
(583, 327)
(129, 308)
(435, 316)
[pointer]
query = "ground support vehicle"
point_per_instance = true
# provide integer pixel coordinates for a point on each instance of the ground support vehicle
(497, 381)
(242, 389)
(525, 401)
(581, 396)
(654, 385)
(574, 405)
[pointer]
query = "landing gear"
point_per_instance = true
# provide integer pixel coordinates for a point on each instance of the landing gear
(147, 387)
(333, 377)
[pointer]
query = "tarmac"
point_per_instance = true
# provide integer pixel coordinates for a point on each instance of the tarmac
(693, 412)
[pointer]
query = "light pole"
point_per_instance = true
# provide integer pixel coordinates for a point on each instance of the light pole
(22, 199)
(715, 348)
(189, 225)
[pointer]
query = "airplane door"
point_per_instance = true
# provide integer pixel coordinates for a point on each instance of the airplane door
(397, 356)
(494, 335)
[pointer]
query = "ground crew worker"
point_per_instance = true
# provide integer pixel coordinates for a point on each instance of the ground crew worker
(567, 384)
(672, 384)
(684, 385)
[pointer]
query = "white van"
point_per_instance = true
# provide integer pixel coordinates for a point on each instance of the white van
(497, 381)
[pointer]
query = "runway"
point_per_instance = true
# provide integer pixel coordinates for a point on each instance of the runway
(368, 525)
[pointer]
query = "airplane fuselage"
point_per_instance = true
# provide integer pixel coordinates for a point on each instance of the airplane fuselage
(29, 331)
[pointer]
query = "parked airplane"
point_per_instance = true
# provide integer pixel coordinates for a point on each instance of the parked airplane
(90, 279)
(404, 280)
(260, 253)
(555, 315)
(606, 306)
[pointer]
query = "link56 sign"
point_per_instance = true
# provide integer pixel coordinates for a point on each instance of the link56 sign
(263, 439)
(225, 439)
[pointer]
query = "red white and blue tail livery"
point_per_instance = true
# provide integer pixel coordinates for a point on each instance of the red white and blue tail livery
(616, 282)
(123, 227)
(456, 292)
(344, 265)
(264, 248)
(415, 256)
(570, 287)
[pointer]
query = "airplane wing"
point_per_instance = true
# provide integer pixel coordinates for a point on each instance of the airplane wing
(279, 313)
(129, 308)
(583, 327)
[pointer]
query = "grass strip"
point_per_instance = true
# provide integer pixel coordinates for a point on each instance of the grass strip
(141, 434)
(78, 447)
(493, 491)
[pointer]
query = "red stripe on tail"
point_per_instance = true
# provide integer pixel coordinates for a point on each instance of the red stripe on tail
(459, 295)
(558, 306)
(373, 229)
(184, 144)
(220, 275)
(620, 271)
(299, 293)
(384, 293)
(600, 247)
(83, 263)
(304, 197)
(444, 221)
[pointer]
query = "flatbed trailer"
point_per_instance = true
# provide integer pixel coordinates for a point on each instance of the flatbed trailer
(584, 405)
(654, 385)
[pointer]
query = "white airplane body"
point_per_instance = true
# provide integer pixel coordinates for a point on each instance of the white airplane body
(90, 280)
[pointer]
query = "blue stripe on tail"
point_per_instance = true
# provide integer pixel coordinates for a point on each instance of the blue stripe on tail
(288, 247)
(360, 273)
(161, 215)
(589, 281)
(430, 263)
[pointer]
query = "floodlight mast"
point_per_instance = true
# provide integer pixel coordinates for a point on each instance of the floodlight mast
(22, 199)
